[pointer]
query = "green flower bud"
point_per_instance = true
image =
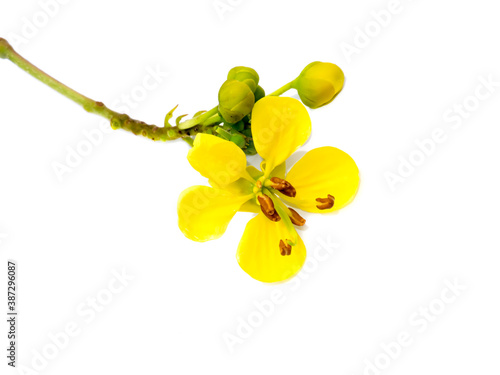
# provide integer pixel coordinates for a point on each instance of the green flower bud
(245, 75)
(239, 140)
(239, 126)
(236, 100)
(319, 83)
(259, 93)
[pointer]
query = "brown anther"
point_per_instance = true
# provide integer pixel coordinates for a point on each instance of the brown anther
(279, 184)
(266, 204)
(274, 217)
(296, 218)
(290, 192)
(285, 248)
(267, 207)
(326, 203)
(283, 186)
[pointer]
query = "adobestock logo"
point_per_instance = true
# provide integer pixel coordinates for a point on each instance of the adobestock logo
(93, 138)
(247, 325)
(222, 7)
(363, 36)
(58, 341)
(418, 323)
(454, 117)
(32, 25)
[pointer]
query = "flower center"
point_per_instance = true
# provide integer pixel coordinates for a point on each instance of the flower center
(274, 209)
(265, 189)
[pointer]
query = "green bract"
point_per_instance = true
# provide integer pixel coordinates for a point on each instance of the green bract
(319, 83)
(236, 100)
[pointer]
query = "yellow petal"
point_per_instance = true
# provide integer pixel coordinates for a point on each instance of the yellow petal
(221, 161)
(321, 172)
(205, 212)
(259, 252)
(279, 127)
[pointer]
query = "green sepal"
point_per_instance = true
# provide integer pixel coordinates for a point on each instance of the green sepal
(178, 119)
(168, 116)
(198, 113)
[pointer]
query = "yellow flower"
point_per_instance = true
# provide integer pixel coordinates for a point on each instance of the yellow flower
(325, 179)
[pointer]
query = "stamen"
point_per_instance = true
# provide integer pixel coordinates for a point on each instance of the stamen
(283, 186)
(326, 203)
(282, 210)
(267, 207)
(279, 184)
(285, 248)
(296, 218)
(266, 204)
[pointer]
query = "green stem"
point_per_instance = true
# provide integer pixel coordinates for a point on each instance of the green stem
(282, 90)
(117, 120)
(88, 104)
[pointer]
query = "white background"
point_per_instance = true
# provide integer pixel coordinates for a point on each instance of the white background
(116, 210)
